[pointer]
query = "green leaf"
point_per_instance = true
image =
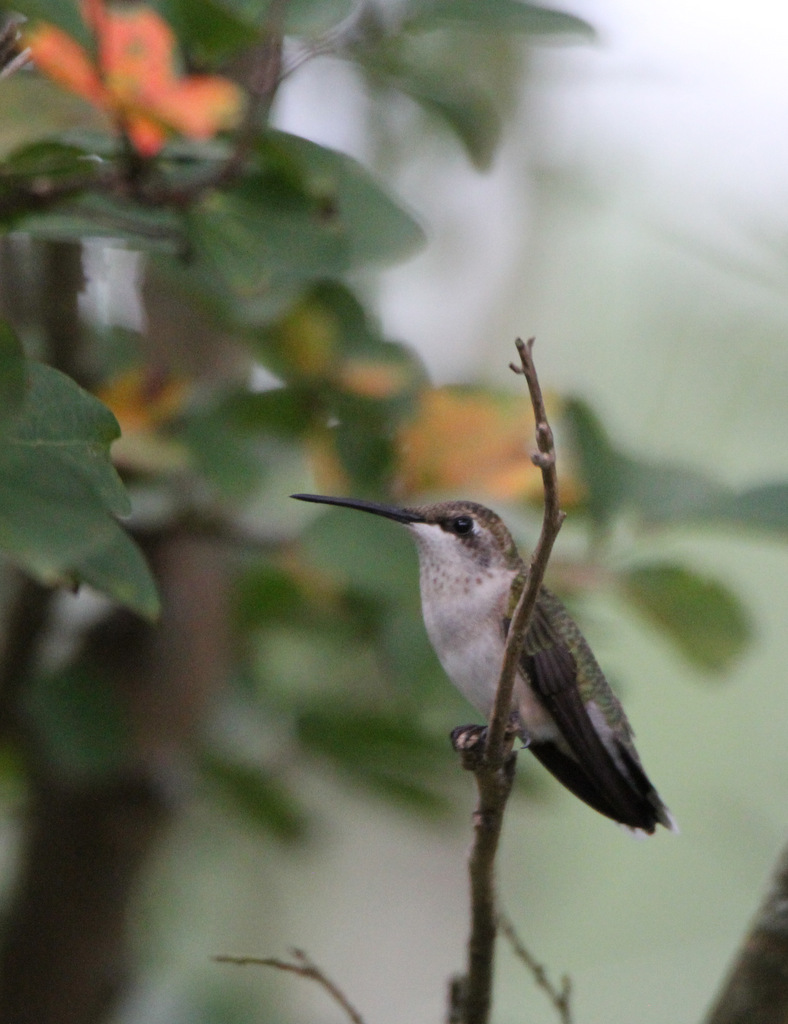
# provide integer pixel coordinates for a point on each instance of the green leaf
(663, 493)
(285, 412)
(42, 163)
(174, 285)
(374, 556)
(310, 347)
(304, 213)
(494, 15)
(209, 29)
(106, 217)
(226, 456)
(259, 796)
(409, 656)
(72, 426)
(264, 249)
(45, 159)
(118, 569)
(220, 18)
(704, 620)
(602, 467)
(81, 725)
(383, 752)
(59, 493)
(470, 114)
(364, 443)
(12, 374)
(310, 17)
(50, 517)
(63, 13)
(378, 230)
(268, 594)
(764, 507)
(658, 492)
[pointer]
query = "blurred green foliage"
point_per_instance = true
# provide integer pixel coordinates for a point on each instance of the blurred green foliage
(60, 493)
(258, 244)
(255, 241)
(252, 240)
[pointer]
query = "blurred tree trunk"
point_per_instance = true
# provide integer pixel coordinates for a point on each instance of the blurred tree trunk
(756, 990)
(64, 958)
(64, 954)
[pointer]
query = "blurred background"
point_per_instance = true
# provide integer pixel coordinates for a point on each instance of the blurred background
(614, 186)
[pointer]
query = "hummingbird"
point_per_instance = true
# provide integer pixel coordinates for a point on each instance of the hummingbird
(567, 714)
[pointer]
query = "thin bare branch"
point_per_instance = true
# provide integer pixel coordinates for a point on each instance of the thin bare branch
(16, 63)
(560, 998)
(493, 767)
(263, 82)
(362, 21)
(305, 968)
(544, 458)
(11, 57)
(474, 990)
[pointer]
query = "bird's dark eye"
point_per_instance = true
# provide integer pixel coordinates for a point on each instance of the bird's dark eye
(461, 525)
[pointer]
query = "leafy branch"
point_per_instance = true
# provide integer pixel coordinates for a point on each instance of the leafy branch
(135, 177)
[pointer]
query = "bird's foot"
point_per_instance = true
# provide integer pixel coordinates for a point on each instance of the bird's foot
(515, 728)
(467, 737)
(469, 741)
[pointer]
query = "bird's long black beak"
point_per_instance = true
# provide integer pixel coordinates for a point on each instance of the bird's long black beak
(399, 515)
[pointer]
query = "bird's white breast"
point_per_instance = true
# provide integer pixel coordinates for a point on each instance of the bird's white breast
(464, 605)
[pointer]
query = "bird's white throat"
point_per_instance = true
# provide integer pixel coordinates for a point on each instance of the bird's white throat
(464, 603)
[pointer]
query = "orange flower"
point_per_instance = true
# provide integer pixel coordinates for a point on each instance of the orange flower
(461, 441)
(143, 398)
(133, 77)
(465, 440)
(373, 378)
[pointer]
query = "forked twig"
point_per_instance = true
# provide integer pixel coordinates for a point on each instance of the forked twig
(303, 967)
(471, 995)
(544, 458)
(560, 998)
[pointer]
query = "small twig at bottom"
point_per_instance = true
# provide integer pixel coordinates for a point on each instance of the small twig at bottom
(559, 998)
(305, 968)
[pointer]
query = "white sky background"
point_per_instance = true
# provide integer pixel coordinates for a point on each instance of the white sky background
(664, 260)
(692, 94)
(695, 94)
